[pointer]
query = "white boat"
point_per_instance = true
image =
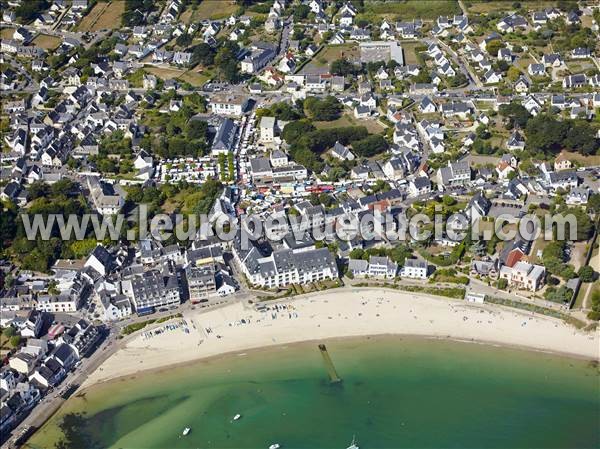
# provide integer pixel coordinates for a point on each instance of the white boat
(236, 417)
(274, 446)
(353, 445)
(186, 431)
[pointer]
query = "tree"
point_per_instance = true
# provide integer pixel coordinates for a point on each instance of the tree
(502, 283)
(15, 341)
(197, 129)
(513, 73)
(203, 54)
(546, 133)
(586, 274)
(561, 294)
(493, 47)
(581, 137)
(183, 40)
(594, 203)
(327, 109)
(370, 146)
(294, 130)
(30, 9)
(9, 331)
(516, 114)
(343, 67)
(301, 12)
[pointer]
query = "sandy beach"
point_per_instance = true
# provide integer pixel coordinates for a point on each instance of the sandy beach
(339, 313)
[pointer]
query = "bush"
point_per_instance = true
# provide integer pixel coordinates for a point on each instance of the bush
(15, 341)
(586, 274)
(9, 332)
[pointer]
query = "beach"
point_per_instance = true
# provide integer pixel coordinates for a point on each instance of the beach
(336, 314)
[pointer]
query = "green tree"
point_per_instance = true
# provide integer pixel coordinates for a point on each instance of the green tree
(586, 274)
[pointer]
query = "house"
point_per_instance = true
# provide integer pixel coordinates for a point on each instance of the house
(524, 275)
(382, 267)
(414, 269)
(536, 69)
(478, 206)
(311, 50)
(455, 173)
(362, 112)
(228, 104)
(267, 129)
(426, 106)
(578, 196)
(106, 200)
(376, 51)
(516, 141)
(358, 267)
(581, 53)
(338, 83)
(341, 152)
(522, 85)
(504, 54)
(100, 260)
(562, 180)
(492, 77)
(285, 266)
(278, 159)
(457, 109)
(505, 167)
(574, 81)
(346, 19)
(419, 186)
(225, 138)
(258, 58)
(151, 289)
(562, 162)
(512, 23)
(552, 60)
(558, 101)
(349, 8)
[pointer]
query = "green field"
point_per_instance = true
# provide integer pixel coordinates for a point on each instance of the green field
(409, 9)
(484, 7)
(348, 120)
(212, 9)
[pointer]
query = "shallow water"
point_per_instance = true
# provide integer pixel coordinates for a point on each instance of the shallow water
(396, 393)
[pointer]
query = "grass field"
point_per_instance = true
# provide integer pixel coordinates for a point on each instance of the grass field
(410, 9)
(484, 7)
(347, 120)
(214, 9)
(332, 52)
(410, 56)
(7, 33)
(194, 77)
(47, 42)
(103, 16)
(165, 73)
(586, 161)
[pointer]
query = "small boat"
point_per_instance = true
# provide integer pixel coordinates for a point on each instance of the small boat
(236, 417)
(186, 431)
(274, 446)
(353, 445)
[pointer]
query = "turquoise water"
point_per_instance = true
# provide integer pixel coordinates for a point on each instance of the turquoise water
(396, 393)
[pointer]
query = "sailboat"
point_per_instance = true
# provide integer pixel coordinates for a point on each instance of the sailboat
(353, 445)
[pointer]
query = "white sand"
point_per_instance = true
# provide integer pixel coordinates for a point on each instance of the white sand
(344, 313)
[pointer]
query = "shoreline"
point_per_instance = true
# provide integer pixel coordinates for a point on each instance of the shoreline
(318, 316)
(253, 351)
